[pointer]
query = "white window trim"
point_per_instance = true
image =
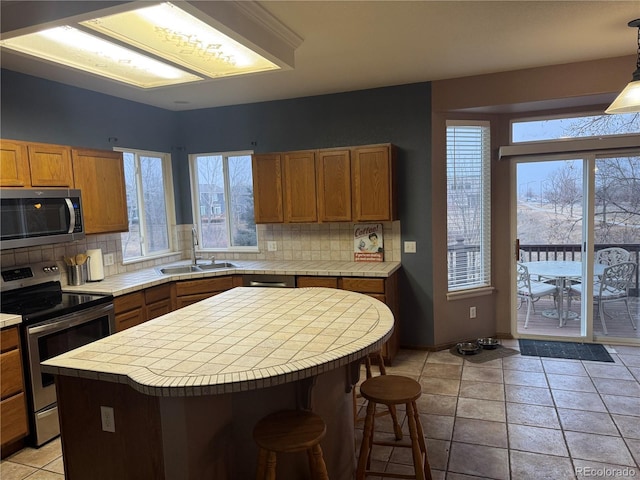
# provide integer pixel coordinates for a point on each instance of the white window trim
(484, 285)
(167, 174)
(197, 218)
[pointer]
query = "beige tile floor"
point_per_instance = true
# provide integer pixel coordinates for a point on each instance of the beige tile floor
(514, 418)
(522, 418)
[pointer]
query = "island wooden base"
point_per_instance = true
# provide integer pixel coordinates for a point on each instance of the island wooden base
(182, 438)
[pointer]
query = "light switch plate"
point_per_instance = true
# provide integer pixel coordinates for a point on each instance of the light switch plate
(108, 259)
(409, 247)
(272, 246)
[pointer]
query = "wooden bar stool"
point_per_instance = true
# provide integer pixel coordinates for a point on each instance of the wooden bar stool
(290, 431)
(391, 409)
(393, 390)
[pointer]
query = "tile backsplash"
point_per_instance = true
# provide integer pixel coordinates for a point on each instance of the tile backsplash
(321, 241)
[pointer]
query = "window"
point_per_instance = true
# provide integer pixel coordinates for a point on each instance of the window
(468, 205)
(150, 204)
(562, 128)
(222, 189)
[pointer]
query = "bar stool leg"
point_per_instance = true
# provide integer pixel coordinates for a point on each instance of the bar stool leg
(423, 446)
(266, 465)
(316, 462)
(397, 429)
(367, 438)
(415, 445)
(262, 464)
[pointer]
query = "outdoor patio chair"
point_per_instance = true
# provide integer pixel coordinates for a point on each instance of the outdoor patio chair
(612, 256)
(530, 291)
(611, 286)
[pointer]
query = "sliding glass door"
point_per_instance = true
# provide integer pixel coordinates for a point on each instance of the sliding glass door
(578, 238)
(616, 234)
(550, 235)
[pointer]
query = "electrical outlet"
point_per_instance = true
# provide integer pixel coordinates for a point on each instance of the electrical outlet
(472, 312)
(109, 259)
(272, 246)
(108, 419)
(409, 247)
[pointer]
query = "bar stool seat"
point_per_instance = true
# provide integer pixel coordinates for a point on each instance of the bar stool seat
(290, 431)
(392, 390)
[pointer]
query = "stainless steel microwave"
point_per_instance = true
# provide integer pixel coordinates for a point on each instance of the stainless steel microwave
(31, 217)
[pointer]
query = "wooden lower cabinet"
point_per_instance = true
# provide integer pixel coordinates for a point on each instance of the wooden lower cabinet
(14, 425)
(192, 291)
(159, 300)
(129, 310)
(327, 282)
(383, 289)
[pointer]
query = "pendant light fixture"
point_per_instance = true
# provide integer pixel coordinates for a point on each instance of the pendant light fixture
(629, 99)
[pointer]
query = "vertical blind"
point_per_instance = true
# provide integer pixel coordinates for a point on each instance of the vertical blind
(468, 204)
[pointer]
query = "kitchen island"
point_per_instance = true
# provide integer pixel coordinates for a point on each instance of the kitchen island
(187, 388)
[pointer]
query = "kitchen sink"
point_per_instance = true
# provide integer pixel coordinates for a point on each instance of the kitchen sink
(179, 269)
(215, 265)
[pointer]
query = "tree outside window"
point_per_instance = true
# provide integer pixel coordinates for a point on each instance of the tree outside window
(222, 189)
(149, 200)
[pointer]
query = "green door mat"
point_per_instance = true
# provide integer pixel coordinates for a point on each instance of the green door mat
(575, 351)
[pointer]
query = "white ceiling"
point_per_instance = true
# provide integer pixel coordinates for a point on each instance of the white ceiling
(353, 45)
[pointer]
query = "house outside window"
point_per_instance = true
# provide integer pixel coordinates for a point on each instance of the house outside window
(468, 205)
(149, 189)
(222, 192)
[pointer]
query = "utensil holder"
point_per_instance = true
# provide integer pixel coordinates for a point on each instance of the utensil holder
(77, 274)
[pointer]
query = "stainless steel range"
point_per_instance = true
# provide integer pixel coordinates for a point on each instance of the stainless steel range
(53, 323)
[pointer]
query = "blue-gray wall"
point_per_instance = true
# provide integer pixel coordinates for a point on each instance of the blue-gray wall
(39, 110)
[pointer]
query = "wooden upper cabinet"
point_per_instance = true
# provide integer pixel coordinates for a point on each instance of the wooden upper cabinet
(26, 164)
(373, 174)
(348, 184)
(334, 185)
(267, 188)
(99, 174)
(299, 178)
(50, 165)
(14, 164)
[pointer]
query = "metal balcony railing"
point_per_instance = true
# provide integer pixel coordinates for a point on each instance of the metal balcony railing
(463, 258)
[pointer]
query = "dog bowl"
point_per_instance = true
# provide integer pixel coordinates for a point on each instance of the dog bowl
(468, 348)
(488, 342)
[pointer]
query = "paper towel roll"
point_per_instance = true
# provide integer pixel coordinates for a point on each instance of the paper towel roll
(96, 267)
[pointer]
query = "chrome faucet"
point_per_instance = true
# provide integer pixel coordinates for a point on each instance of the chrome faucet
(194, 242)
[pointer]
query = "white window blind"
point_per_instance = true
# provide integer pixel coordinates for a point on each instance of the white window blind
(468, 204)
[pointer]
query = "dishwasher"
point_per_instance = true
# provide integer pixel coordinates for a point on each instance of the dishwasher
(266, 280)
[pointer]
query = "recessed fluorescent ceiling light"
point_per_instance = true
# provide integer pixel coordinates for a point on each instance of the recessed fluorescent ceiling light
(75, 48)
(175, 35)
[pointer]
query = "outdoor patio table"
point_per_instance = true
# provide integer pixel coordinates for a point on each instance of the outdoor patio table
(561, 272)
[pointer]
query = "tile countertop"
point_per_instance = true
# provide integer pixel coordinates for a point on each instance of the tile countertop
(130, 282)
(239, 340)
(8, 320)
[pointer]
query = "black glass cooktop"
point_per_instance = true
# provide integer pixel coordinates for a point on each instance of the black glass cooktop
(45, 301)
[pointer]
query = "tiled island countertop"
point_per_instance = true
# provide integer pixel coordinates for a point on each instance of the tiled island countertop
(130, 282)
(186, 389)
(242, 339)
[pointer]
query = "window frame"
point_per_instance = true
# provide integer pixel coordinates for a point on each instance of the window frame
(195, 193)
(562, 116)
(484, 283)
(167, 176)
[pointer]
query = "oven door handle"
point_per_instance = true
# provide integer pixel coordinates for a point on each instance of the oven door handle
(72, 215)
(73, 320)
